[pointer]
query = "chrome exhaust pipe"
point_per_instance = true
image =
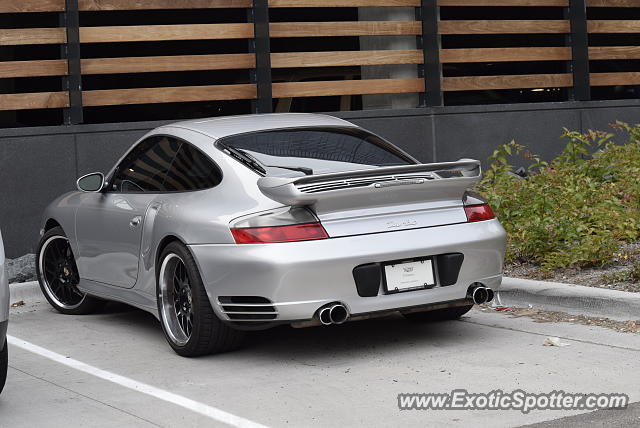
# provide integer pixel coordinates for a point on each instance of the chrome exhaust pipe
(338, 314)
(335, 313)
(479, 295)
(325, 316)
(490, 294)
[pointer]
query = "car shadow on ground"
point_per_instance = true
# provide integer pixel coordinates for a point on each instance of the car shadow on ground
(391, 334)
(116, 308)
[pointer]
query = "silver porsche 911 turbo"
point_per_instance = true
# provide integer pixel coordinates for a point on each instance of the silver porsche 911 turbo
(218, 226)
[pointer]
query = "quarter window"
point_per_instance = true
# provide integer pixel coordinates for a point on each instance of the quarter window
(192, 170)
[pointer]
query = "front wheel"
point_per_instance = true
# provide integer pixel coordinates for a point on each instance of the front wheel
(58, 275)
(188, 321)
(445, 314)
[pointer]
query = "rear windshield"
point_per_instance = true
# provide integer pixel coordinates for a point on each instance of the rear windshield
(296, 152)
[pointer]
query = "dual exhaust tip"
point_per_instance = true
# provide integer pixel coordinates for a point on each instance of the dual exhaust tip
(480, 294)
(335, 313)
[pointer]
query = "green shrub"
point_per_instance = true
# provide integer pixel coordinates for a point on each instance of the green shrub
(626, 275)
(634, 272)
(574, 211)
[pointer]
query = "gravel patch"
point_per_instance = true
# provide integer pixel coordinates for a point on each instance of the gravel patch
(22, 269)
(614, 276)
(539, 315)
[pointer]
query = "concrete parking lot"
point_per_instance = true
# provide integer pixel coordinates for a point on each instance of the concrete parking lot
(115, 369)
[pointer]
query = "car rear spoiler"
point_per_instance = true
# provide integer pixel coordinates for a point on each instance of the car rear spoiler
(375, 186)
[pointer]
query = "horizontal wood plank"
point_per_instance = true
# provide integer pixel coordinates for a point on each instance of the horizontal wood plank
(53, 67)
(503, 3)
(23, 6)
(505, 54)
(106, 97)
(613, 26)
(97, 5)
(504, 27)
(478, 83)
(614, 52)
(32, 36)
(347, 87)
(345, 58)
(613, 3)
(615, 79)
(148, 33)
(167, 63)
(343, 3)
(345, 28)
(34, 100)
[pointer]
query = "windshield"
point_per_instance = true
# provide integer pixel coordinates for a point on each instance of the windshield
(297, 152)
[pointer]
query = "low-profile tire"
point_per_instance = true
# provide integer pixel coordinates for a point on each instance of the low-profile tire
(58, 275)
(445, 314)
(189, 323)
(4, 364)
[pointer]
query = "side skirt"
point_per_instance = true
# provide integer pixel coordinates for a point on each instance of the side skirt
(130, 296)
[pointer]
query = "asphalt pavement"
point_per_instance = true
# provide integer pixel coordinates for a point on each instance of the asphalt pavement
(114, 368)
(607, 418)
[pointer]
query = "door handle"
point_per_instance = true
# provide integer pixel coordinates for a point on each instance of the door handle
(135, 222)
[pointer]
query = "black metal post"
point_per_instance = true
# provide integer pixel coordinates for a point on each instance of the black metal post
(430, 14)
(262, 49)
(422, 102)
(72, 83)
(579, 50)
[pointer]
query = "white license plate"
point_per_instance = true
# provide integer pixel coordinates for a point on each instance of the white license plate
(409, 275)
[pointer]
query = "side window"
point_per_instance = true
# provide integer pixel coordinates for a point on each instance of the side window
(192, 170)
(146, 166)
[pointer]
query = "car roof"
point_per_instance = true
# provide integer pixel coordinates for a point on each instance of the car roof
(220, 127)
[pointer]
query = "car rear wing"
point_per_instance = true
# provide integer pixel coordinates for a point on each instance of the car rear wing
(375, 187)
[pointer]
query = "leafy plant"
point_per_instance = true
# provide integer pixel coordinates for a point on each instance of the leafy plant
(574, 211)
(634, 272)
(626, 275)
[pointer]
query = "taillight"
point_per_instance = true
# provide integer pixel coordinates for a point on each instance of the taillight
(478, 212)
(272, 234)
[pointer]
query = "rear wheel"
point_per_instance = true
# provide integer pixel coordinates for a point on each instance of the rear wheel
(445, 314)
(188, 321)
(4, 364)
(58, 275)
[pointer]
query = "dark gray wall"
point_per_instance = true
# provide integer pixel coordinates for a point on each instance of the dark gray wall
(38, 164)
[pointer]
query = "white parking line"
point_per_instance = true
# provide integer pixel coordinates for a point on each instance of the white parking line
(194, 406)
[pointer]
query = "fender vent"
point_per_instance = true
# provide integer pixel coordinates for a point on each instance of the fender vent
(248, 308)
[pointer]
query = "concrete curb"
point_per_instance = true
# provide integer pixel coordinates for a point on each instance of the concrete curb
(577, 299)
(26, 291)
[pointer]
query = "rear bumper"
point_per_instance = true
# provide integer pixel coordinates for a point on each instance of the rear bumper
(300, 277)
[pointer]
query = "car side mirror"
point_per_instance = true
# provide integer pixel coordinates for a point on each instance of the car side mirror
(93, 182)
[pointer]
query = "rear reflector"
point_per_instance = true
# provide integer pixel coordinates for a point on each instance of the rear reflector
(478, 213)
(291, 233)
